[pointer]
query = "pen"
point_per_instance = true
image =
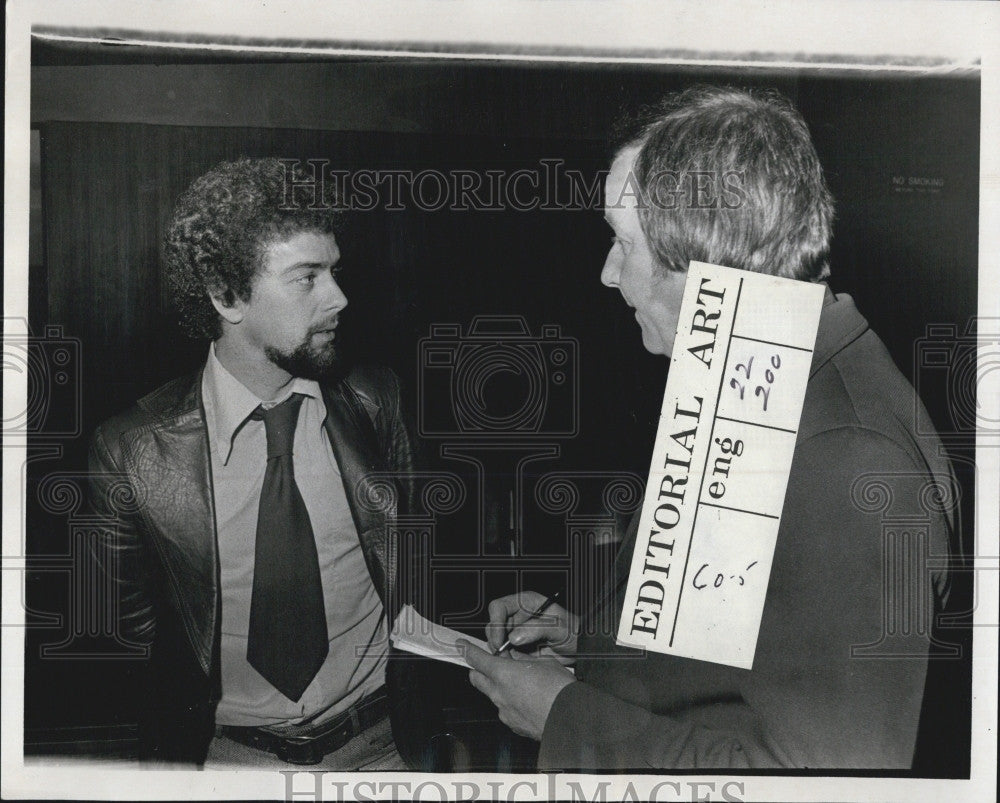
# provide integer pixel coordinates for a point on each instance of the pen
(533, 615)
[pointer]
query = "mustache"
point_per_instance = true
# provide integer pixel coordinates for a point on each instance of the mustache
(333, 324)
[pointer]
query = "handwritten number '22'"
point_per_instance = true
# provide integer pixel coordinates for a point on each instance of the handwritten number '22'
(760, 390)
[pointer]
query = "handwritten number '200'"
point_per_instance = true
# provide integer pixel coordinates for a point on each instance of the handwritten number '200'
(760, 390)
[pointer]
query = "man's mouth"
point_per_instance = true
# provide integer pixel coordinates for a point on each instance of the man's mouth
(326, 330)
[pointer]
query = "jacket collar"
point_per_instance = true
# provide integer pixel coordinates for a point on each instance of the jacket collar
(840, 324)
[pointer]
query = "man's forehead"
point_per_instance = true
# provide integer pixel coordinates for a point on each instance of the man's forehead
(302, 246)
(620, 187)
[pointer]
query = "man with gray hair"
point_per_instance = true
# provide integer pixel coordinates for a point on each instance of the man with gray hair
(731, 177)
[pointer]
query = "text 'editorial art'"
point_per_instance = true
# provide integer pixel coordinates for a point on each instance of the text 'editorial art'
(720, 464)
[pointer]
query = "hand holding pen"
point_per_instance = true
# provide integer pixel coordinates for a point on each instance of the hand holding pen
(530, 618)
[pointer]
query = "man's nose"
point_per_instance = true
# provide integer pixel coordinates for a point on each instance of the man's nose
(612, 268)
(336, 300)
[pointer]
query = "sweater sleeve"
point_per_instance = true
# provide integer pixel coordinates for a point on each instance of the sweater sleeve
(831, 685)
(589, 728)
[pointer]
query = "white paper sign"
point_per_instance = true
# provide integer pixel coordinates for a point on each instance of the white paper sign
(723, 451)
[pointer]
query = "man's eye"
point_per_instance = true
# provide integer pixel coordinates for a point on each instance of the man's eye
(307, 279)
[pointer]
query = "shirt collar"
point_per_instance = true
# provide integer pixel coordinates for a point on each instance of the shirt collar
(228, 402)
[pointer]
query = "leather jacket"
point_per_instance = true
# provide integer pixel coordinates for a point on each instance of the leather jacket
(150, 491)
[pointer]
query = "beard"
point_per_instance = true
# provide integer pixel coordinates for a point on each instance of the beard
(308, 361)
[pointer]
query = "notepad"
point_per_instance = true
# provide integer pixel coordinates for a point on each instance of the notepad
(415, 634)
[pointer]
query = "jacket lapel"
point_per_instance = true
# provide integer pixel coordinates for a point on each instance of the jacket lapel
(171, 460)
(355, 446)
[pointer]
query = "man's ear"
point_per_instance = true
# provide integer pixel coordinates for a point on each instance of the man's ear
(231, 308)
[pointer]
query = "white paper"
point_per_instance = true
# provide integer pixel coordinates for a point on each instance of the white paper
(721, 459)
(413, 633)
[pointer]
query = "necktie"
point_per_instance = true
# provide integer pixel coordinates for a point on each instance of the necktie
(287, 642)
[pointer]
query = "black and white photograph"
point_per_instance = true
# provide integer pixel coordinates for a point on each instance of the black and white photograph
(559, 400)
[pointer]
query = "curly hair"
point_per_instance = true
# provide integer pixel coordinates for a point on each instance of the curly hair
(758, 139)
(224, 221)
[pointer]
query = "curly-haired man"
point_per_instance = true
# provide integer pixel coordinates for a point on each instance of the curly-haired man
(251, 566)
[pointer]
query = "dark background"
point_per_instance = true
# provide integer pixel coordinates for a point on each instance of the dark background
(122, 135)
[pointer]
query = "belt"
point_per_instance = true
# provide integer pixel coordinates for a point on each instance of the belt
(310, 746)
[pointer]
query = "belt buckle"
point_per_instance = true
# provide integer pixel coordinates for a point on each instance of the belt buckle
(301, 753)
(311, 750)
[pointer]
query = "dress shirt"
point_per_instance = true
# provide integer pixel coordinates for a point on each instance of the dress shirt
(355, 665)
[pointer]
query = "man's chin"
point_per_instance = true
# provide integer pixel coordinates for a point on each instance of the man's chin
(308, 363)
(655, 345)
